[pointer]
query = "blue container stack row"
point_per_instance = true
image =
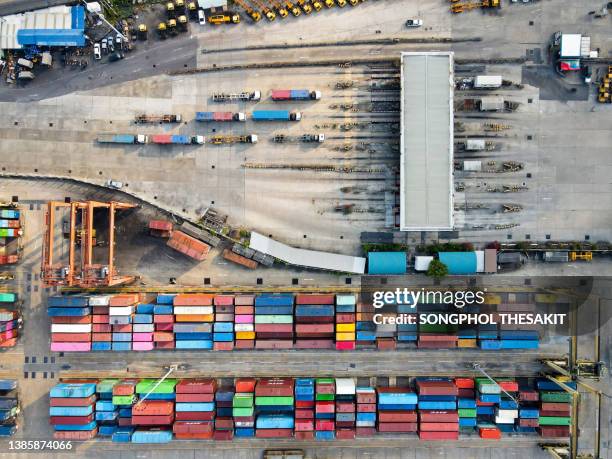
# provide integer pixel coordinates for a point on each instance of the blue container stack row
(304, 408)
(71, 411)
(314, 321)
(274, 321)
(9, 407)
(223, 327)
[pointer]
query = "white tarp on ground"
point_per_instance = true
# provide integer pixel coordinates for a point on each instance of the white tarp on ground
(308, 258)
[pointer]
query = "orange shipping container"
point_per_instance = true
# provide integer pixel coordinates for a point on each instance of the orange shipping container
(163, 336)
(193, 299)
(239, 259)
(70, 337)
(188, 245)
(195, 318)
(153, 408)
(71, 320)
(125, 299)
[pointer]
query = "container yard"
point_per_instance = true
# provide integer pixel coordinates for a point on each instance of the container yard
(305, 229)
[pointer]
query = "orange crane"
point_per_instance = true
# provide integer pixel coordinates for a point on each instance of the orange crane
(271, 15)
(280, 9)
(254, 15)
(88, 273)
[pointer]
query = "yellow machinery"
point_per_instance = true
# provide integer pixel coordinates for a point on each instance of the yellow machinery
(329, 3)
(341, 3)
(317, 5)
(183, 22)
(254, 15)
(226, 18)
(270, 15)
(170, 9)
(306, 7)
(354, 2)
(180, 6)
(457, 7)
(582, 256)
(171, 25)
(293, 8)
(142, 32)
(281, 10)
(604, 95)
(491, 4)
(162, 29)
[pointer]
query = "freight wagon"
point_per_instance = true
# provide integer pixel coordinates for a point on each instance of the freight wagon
(275, 115)
(122, 138)
(220, 116)
(295, 94)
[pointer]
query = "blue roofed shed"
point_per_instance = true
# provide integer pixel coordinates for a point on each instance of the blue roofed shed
(387, 263)
(459, 262)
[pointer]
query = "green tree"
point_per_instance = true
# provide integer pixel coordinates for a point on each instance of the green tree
(437, 269)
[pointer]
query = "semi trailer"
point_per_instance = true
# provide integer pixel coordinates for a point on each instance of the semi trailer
(220, 116)
(295, 94)
(275, 115)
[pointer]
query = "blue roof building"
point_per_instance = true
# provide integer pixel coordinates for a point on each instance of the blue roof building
(387, 263)
(459, 262)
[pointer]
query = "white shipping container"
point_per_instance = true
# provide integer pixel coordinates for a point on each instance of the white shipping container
(472, 166)
(244, 327)
(345, 386)
(193, 309)
(6, 316)
(99, 300)
(421, 263)
(475, 144)
(143, 328)
(121, 310)
(480, 261)
(487, 81)
(70, 328)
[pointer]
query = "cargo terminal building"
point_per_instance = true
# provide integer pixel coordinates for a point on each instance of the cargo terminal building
(426, 141)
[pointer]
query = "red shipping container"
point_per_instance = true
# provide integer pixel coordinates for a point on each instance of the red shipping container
(303, 425)
(102, 337)
(366, 408)
(345, 318)
(244, 344)
(125, 299)
(526, 422)
(70, 337)
(561, 413)
(76, 420)
(385, 344)
(365, 431)
(193, 427)
(273, 344)
(466, 393)
(397, 416)
(68, 320)
(188, 246)
(164, 327)
(164, 345)
(196, 386)
(273, 433)
(274, 328)
(394, 390)
(126, 387)
(550, 406)
(223, 435)
(122, 328)
(529, 395)
(223, 346)
(153, 408)
(324, 424)
(345, 345)
(431, 337)
(314, 344)
(325, 407)
(194, 415)
(101, 328)
(194, 436)
(464, 383)
(489, 433)
(275, 335)
(315, 320)
(345, 407)
(244, 300)
(304, 414)
(224, 309)
(554, 431)
(436, 388)
(438, 416)
(438, 426)
(437, 344)
(99, 319)
(224, 423)
(305, 436)
(281, 94)
(103, 310)
(124, 422)
(163, 336)
(345, 434)
(66, 401)
(195, 398)
(244, 310)
(314, 330)
(438, 435)
(160, 225)
(150, 420)
(314, 299)
(245, 384)
(163, 318)
(509, 386)
(76, 435)
(397, 426)
(304, 404)
(366, 397)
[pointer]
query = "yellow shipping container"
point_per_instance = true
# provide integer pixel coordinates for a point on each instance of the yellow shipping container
(245, 335)
(466, 342)
(345, 336)
(345, 327)
(194, 318)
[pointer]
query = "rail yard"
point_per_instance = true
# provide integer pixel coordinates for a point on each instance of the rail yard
(305, 229)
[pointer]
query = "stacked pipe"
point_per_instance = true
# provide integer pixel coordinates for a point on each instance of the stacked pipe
(397, 409)
(71, 411)
(345, 322)
(193, 321)
(438, 417)
(224, 422)
(345, 408)
(325, 409)
(366, 411)
(304, 408)
(70, 323)
(244, 321)
(274, 321)
(274, 400)
(195, 409)
(243, 408)
(223, 327)
(314, 316)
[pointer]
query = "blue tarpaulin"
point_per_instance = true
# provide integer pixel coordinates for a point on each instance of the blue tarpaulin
(51, 37)
(459, 262)
(387, 263)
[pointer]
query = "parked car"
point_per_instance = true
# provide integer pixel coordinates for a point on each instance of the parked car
(201, 17)
(97, 52)
(111, 45)
(414, 23)
(104, 46)
(117, 55)
(114, 184)
(119, 41)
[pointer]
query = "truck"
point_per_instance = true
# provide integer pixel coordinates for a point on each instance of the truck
(295, 94)
(228, 139)
(123, 138)
(275, 115)
(174, 139)
(487, 81)
(143, 119)
(230, 97)
(220, 116)
(304, 138)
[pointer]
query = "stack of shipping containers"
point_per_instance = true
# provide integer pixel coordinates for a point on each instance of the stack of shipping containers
(193, 321)
(107, 413)
(325, 409)
(397, 409)
(275, 405)
(366, 411)
(9, 320)
(195, 409)
(224, 323)
(120, 315)
(163, 319)
(70, 323)
(489, 395)
(345, 408)
(243, 408)
(365, 327)
(529, 412)
(314, 317)
(304, 408)
(507, 413)
(466, 403)
(10, 230)
(274, 321)
(518, 336)
(407, 333)
(9, 407)
(555, 409)
(244, 321)
(437, 336)
(224, 422)
(438, 417)
(143, 327)
(71, 411)
(101, 336)
(345, 322)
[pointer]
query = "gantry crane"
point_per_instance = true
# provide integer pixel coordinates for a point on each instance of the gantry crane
(88, 274)
(254, 15)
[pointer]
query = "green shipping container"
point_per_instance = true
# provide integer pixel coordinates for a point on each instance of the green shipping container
(437, 328)
(273, 319)
(485, 386)
(238, 412)
(269, 401)
(123, 399)
(345, 300)
(467, 412)
(106, 385)
(7, 297)
(324, 397)
(165, 387)
(555, 397)
(242, 400)
(555, 421)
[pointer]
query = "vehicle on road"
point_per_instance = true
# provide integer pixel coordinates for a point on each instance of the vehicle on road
(97, 51)
(114, 184)
(111, 45)
(201, 17)
(116, 56)
(104, 46)
(414, 23)
(119, 41)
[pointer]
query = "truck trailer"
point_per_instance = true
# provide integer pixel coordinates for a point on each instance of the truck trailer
(229, 97)
(142, 119)
(220, 116)
(487, 81)
(169, 139)
(123, 138)
(304, 138)
(295, 94)
(275, 115)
